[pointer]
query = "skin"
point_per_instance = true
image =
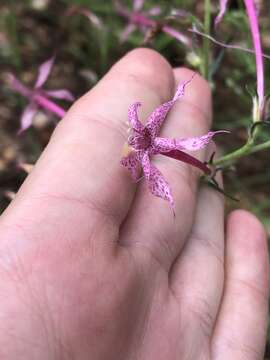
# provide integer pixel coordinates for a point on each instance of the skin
(92, 266)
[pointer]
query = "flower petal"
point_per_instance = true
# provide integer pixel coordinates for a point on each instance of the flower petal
(155, 120)
(180, 91)
(60, 94)
(154, 11)
(177, 35)
(27, 116)
(93, 18)
(137, 5)
(83, 10)
(163, 144)
(254, 28)
(156, 181)
(16, 85)
(133, 117)
(131, 162)
(130, 28)
(44, 72)
(222, 9)
(198, 142)
(192, 144)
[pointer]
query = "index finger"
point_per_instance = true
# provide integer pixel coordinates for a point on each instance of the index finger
(78, 180)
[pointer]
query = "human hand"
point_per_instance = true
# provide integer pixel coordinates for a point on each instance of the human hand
(92, 266)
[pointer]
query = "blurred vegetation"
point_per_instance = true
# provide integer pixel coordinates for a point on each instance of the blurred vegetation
(32, 31)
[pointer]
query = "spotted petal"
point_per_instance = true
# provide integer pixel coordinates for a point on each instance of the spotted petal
(180, 91)
(191, 144)
(44, 72)
(133, 117)
(198, 142)
(156, 181)
(131, 162)
(156, 119)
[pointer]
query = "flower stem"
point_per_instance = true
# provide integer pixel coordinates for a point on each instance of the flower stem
(230, 158)
(206, 42)
(260, 147)
(245, 150)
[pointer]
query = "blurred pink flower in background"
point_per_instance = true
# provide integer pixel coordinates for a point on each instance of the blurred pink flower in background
(39, 97)
(137, 18)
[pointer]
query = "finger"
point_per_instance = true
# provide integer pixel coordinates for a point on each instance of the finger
(197, 275)
(241, 325)
(150, 223)
(78, 181)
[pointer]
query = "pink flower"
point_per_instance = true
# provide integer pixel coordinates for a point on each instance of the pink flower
(38, 97)
(145, 142)
(142, 20)
(254, 27)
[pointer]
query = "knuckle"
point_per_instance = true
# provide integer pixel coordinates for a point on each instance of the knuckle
(202, 313)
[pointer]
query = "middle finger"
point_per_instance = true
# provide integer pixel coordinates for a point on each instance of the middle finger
(150, 223)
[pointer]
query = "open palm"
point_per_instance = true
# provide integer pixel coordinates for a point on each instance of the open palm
(92, 266)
